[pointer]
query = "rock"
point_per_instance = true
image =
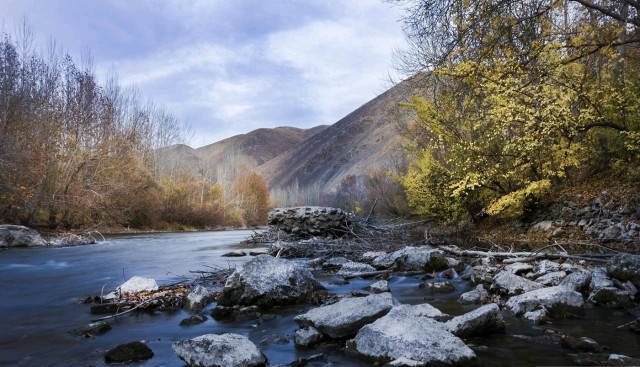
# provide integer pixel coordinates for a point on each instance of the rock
(369, 256)
(138, 284)
(404, 339)
(104, 308)
(334, 262)
(544, 267)
(94, 328)
(583, 344)
(199, 298)
(483, 320)
(479, 274)
(477, 296)
(511, 284)
(225, 350)
(611, 297)
(193, 320)
(351, 268)
(599, 279)
(268, 281)
(307, 337)
(518, 268)
(604, 359)
(259, 251)
(346, 316)
(310, 221)
(558, 301)
(543, 226)
(438, 287)
(551, 279)
(19, 236)
(130, 352)
(426, 310)
(536, 316)
(578, 280)
(380, 286)
(237, 253)
(625, 267)
(412, 258)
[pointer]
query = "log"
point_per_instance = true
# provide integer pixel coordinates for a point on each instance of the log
(366, 274)
(512, 257)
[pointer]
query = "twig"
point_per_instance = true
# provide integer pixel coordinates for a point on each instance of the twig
(628, 323)
(371, 211)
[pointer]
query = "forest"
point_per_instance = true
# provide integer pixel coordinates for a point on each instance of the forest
(76, 153)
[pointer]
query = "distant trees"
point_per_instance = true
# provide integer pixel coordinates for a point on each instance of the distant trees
(77, 153)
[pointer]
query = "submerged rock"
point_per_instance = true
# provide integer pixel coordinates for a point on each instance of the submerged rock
(130, 352)
(94, 328)
(604, 359)
(193, 320)
(483, 320)
(19, 236)
(267, 281)
(402, 338)
(507, 283)
(226, 350)
(346, 316)
(557, 301)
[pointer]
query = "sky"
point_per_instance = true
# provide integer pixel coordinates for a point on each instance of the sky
(227, 67)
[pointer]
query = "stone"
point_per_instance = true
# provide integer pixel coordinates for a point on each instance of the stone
(267, 281)
(334, 262)
(346, 316)
(193, 320)
(307, 337)
(130, 352)
(412, 258)
(551, 279)
(518, 268)
(225, 350)
(611, 297)
(369, 256)
(558, 301)
(479, 274)
(94, 328)
(599, 279)
(19, 236)
(542, 226)
(351, 268)
(544, 267)
(625, 267)
(476, 296)
(483, 320)
(578, 280)
(237, 253)
(380, 286)
(438, 287)
(604, 359)
(537, 316)
(583, 344)
(402, 338)
(310, 221)
(198, 299)
(511, 284)
(138, 284)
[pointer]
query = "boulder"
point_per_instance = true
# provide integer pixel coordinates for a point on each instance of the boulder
(476, 296)
(19, 236)
(138, 284)
(611, 297)
(198, 298)
(346, 316)
(507, 283)
(625, 267)
(578, 280)
(130, 352)
(267, 281)
(307, 337)
(518, 268)
(350, 268)
(552, 278)
(380, 286)
(94, 328)
(334, 262)
(401, 338)
(483, 320)
(599, 279)
(225, 350)
(310, 221)
(544, 267)
(412, 258)
(557, 301)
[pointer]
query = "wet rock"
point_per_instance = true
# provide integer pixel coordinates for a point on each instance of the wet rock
(625, 267)
(604, 359)
(237, 253)
(193, 320)
(611, 297)
(537, 316)
(130, 352)
(558, 301)
(578, 280)
(483, 320)
(412, 258)
(225, 350)
(307, 337)
(351, 268)
(334, 262)
(582, 344)
(198, 298)
(310, 220)
(426, 310)
(258, 252)
(438, 287)
(552, 279)
(268, 281)
(478, 295)
(635, 327)
(479, 274)
(380, 286)
(19, 236)
(511, 284)
(403, 339)
(94, 328)
(346, 316)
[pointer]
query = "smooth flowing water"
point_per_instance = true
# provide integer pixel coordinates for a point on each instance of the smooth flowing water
(40, 291)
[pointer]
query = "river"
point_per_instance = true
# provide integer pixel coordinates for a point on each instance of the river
(41, 290)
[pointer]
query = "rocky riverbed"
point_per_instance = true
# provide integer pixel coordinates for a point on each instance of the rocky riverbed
(385, 307)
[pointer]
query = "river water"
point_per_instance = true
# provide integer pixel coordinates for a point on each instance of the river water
(41, 290)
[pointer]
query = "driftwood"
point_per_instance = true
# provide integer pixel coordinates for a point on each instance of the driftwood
(512, 257)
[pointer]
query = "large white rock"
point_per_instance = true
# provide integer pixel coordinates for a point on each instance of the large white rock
(511, 284)
(138, 284)
(347, 316)
(556, 300)
(412, 258)
(267, 281)
(226, 350)
(198, 298)
(483, 320)
(404, 339)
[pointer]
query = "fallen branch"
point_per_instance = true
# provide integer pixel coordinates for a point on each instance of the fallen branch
(366, 274)
(628, 323)
(511, 257)
(123, 312)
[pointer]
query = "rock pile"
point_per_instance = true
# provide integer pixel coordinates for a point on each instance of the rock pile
(310, 221)
(19, 236)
